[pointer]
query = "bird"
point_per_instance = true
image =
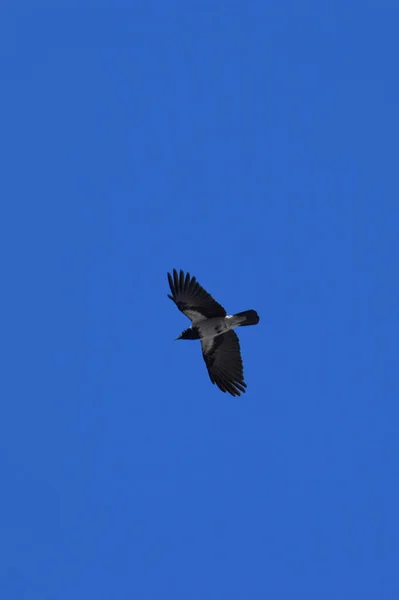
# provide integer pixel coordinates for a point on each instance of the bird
(211, 324)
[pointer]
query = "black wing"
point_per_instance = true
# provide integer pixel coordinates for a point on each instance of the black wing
(191, 298)
(223, 359)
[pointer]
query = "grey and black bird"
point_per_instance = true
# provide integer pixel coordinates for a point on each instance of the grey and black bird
(214, 327)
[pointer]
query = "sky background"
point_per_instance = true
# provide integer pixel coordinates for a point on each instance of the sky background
(254, 144)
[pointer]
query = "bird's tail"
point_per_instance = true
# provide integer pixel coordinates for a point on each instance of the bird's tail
(251, 317)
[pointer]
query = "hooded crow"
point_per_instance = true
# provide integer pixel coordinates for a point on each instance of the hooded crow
(214, 327)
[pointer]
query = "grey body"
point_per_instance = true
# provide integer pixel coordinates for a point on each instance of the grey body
(212, 325)
(207, 329)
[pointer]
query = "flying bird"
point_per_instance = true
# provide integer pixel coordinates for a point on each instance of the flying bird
(214, 328)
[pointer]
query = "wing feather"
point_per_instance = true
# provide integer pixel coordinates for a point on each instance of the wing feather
(222, 357)
(191, 298)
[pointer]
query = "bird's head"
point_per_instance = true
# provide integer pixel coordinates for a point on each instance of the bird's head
(189, 334)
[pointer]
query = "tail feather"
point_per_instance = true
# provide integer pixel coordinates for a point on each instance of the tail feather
(251, 317)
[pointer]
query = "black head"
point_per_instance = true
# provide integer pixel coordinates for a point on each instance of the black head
(189, 334)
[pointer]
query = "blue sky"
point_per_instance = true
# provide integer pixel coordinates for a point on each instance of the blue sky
(256, 146)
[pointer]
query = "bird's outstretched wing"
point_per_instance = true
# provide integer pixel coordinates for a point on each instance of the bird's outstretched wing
(223, 360)
(191, 298)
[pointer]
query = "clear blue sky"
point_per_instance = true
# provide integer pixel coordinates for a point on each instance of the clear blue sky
(254, 144)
